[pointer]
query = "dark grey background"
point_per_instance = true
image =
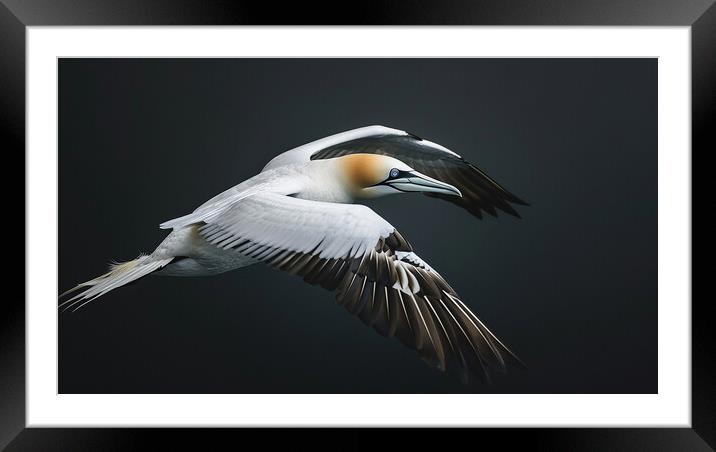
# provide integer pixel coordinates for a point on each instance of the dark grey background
(571, 287)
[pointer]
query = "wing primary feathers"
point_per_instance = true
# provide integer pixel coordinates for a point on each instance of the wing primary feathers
(377, 278)
(480, 192)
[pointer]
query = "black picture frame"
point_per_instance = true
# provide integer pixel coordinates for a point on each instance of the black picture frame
(16, 15)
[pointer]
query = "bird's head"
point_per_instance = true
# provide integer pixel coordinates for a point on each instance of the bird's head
(373, 175)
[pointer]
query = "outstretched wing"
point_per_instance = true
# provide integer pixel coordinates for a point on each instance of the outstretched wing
(352, 251)
(480, 193)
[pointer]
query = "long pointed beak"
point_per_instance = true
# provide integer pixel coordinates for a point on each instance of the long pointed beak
(417, 182)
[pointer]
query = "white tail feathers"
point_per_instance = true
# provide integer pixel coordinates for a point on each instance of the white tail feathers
(118, 275)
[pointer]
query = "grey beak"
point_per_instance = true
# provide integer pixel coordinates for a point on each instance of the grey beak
(418, 182)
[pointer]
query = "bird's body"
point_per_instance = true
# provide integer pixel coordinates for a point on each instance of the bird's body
(312, 180)
(299, 214)
(317, 180)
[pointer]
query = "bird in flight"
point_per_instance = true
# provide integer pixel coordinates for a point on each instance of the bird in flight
(300, 215)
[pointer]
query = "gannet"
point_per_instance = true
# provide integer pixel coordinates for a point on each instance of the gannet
(301, 214)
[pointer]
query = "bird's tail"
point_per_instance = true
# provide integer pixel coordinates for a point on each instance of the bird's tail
(118, 275)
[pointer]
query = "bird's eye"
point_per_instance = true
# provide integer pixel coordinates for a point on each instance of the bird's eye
(394, 172)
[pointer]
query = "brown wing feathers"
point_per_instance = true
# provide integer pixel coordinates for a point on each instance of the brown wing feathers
(400, 298)
(479, 191)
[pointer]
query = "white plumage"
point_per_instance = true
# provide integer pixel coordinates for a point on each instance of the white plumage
(298, 215)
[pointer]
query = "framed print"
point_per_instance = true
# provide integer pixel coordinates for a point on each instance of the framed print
(546, 277)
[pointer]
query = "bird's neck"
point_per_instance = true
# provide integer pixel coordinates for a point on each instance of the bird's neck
(323, 181)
